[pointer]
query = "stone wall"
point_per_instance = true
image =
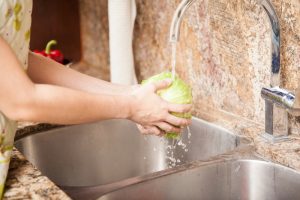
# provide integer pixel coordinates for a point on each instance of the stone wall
(94, 38)
(224, 49)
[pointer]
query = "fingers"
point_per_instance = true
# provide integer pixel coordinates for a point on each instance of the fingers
(177, 121)
(180, 108)
(147, 130)
(161, 84)
(168, 127)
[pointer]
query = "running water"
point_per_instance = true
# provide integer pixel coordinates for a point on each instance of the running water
(174, 159)
(173, 59)
(177, 148)
(174, 147)
(189, 134)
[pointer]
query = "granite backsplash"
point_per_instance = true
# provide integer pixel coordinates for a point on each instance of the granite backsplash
(224, 49)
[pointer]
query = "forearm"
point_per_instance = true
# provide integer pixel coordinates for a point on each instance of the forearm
(21, 99)
(54, 104)
(45, 71)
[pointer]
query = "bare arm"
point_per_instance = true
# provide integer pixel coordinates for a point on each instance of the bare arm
(23, 100)
(44, 70)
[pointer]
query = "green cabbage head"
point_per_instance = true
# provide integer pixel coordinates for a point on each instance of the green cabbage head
(178, 92)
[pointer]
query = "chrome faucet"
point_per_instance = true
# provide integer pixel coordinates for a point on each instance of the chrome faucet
(277, 101)
(177, 18)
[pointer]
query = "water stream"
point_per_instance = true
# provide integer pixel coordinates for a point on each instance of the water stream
(175, 148)
(172, 157)
(173, 59)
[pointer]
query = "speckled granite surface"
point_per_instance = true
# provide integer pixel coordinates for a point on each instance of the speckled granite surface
(24, 181)
(94, 38)
(224, 49)
(285, 153)
(224, 54)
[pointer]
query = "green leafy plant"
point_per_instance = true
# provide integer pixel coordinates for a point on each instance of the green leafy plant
(178, 92)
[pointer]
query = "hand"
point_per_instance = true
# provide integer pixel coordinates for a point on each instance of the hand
(150, 130)
(153, 113)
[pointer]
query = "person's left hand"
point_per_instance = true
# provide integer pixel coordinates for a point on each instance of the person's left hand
(150, 130)
(153, 130)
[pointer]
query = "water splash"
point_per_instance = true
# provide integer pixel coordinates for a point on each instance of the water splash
(189, 134)
(176, 149)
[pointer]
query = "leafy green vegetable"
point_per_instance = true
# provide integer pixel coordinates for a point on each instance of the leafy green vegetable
(178, 92)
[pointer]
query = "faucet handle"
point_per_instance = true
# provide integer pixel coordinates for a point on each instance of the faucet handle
(283, 98)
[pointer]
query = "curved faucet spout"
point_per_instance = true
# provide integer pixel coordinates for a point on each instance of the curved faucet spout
(275, 68)
(177, 18)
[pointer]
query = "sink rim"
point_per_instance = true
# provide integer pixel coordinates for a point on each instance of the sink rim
(243, 139)
(245, 153)
(243, 144)
(251, 159)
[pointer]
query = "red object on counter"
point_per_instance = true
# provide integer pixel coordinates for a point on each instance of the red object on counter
(53, 54)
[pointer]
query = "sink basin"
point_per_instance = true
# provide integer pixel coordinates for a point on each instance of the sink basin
(227, 180)
(113, 150)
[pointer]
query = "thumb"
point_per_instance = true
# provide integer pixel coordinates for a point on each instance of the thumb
(162, 84)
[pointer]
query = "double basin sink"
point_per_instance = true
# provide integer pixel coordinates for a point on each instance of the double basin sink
(112, 160)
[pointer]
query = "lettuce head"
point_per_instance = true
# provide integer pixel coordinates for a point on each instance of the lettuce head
(178, 92)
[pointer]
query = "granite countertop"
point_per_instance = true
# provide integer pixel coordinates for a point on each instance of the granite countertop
(24, 181)
(27, 182)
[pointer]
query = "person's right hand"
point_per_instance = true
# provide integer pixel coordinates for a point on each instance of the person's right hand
(150, 110)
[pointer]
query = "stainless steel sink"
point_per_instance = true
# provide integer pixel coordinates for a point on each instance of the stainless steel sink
(227, 180)
(109, 151)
